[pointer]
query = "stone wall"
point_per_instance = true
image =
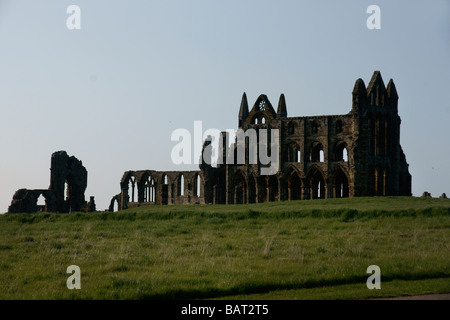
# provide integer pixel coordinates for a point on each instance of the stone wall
(68, 182)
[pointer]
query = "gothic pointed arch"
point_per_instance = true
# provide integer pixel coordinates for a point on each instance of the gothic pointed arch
(164, 185)
(263, 104)
(197, 184)
(316, 153)
(316, 182)
(181, 184)
(295, 185)
(262, 189)
(274, 190)
(341, 151)
(340, 184)
(292, 152)
(239, 188)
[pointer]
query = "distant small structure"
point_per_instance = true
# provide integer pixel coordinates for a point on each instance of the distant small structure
(426, 194)
(443, 196)
(68, 182)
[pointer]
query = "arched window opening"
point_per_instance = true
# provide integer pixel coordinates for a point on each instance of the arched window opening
(318, 190)
(152, 191)
(146, 192)
(164, 180)
(240, 189)
(181, 185)
(294, 154)
(318, 186)
(295, 186)
(273, 188)
(197, 186)
(341, 153)
(263, 120)
(132, 189)
(115, 205)
(291, 128)
(149, 190)
(256, 120)
(41, 201)
(341, 185)
(317, 154)
(66, 191)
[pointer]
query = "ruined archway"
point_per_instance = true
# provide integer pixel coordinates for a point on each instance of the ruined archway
(132, 190)
(341, 152)
(180, 185)
(240, 189)
(197, 185)
(316, 182)
(295, 186)
(164, 182)
(293, 152)
(252, 189)
(341, 189)
(273, 188)
(262, 189)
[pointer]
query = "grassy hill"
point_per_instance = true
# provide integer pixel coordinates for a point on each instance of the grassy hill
(317, 249)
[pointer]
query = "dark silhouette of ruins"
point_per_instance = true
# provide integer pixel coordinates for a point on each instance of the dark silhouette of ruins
(335, 156)
(68, 182)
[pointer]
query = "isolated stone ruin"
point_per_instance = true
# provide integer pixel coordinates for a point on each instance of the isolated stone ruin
(68, 182)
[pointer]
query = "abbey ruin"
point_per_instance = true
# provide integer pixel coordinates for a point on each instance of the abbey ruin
(68, 182)
(335, 156)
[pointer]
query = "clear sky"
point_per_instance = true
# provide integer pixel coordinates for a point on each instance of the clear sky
(112, 92)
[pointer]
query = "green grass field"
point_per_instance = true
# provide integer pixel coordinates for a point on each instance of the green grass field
(317, 249)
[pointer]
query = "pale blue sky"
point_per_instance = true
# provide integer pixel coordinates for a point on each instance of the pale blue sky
(112, 93)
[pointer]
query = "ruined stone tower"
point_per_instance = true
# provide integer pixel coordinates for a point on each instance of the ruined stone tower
(68, 182)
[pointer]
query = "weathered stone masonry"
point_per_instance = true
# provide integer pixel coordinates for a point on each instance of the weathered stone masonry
(65, 171)
(350, 155)
(159, 187)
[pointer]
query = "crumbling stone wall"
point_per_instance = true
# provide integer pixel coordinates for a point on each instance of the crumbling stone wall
(149, 187)
(65, 170)
(26, 201)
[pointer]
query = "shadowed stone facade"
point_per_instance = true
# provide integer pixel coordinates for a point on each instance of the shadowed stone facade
(335, 156)
(68, 182)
